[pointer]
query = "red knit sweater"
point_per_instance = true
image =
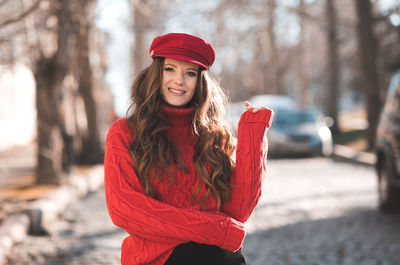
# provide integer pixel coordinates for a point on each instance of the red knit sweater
(155, 227)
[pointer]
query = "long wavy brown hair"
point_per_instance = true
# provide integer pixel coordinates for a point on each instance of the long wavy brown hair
(152, 151)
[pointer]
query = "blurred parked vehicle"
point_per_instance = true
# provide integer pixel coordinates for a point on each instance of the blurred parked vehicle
(274, 102)
(293, 131)
(388, 149)
(299, 132)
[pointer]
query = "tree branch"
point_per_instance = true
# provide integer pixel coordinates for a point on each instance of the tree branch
(320, 20)
(20, 16)
(3, 2)
(143, 7)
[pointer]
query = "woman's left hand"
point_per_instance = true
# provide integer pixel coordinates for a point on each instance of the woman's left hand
(251, 107)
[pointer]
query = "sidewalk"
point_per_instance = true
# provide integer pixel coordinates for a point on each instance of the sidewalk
(348, 154)
(16, 166)
(17, 182)
(26, 207)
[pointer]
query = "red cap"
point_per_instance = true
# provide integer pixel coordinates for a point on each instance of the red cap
(185, 47)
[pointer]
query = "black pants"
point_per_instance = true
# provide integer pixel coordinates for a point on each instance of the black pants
(200, 254)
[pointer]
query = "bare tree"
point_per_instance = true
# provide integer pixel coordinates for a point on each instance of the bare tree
(368, 64)
(274, 53)
(305, 99)
(148, 18)
(58, 52)
(332, 65)
(18, 18)
(140, 24)
(92, 150)
(49, 72)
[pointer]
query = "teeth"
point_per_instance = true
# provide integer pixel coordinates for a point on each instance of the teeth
(176, 91)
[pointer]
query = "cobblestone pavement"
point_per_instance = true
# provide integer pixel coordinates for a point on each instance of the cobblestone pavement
(312, 211)
(319, 211)
(84, 235)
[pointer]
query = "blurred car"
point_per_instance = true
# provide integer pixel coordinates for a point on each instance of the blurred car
(299, 132)
(274, 102)
(388, 149)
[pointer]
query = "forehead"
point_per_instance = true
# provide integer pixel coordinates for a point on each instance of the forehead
(180, 63)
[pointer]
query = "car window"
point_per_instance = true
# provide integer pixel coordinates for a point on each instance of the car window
(286, 118)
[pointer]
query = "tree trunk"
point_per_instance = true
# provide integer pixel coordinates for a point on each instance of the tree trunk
(49, 74)
(92, 150)
(368, 62)
(220, 23)
(332, 66)
(83, 137)
(49, 154)
(274, 59)
(305, 99)
(139, 29)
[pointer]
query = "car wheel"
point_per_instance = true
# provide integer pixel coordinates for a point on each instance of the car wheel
(389, 196)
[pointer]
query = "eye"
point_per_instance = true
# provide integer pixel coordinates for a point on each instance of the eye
(168, 69)
(192, 74)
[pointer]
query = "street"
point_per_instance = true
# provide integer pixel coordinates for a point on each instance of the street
(312, 211)
(318, 211)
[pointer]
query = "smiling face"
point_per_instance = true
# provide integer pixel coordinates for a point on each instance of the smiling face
(178, 82)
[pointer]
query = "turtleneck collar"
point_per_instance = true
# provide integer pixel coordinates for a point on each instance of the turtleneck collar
(178, 116)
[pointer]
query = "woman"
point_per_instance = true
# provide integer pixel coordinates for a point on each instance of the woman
(170, 179)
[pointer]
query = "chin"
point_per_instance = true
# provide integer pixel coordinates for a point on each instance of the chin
(178, 103)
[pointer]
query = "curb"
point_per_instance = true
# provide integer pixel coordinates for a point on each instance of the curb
(16, 226)
(350, 155)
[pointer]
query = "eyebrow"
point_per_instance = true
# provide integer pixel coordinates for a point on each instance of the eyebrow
(190, 68)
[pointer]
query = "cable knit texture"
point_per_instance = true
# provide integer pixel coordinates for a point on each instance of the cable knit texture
(155, 227)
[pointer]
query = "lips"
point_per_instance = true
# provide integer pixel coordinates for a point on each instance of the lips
(176, 91)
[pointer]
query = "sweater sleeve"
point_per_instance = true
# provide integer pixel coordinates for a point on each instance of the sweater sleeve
(251, 158)
(139, 214)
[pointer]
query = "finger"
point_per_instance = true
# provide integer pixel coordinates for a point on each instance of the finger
(248, 105)
(250, 108)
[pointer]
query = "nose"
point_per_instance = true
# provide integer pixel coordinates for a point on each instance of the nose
(179, 79)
